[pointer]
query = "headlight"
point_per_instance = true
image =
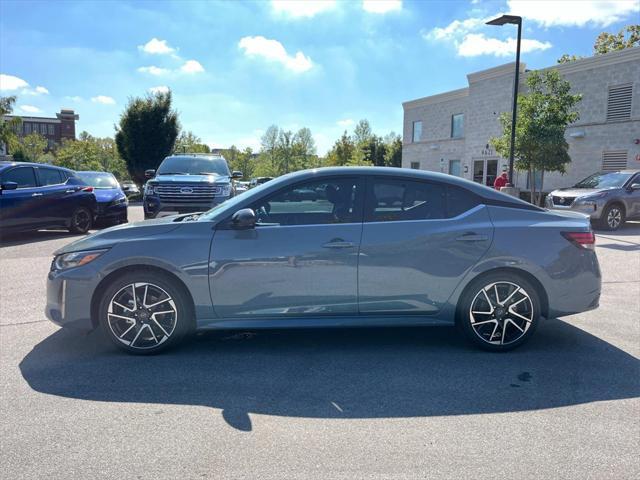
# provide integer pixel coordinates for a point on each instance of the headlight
(225, 190)
(148, 189)
(593, 196)
(76, 259)
(119, 201)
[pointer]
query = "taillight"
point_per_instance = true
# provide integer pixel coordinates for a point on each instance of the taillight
(581, 239)
(87, 189)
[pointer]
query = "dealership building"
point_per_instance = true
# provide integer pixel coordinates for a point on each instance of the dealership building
(450, 132)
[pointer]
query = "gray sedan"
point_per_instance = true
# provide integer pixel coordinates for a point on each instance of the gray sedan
(375, 247)
(609, 198)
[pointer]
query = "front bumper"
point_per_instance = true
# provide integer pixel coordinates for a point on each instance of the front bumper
(69, 294)
(153, 205)
(108, 212)
(591, 208)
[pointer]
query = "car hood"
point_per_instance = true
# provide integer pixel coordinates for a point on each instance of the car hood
(189, 179)
(107, 194)
(576, 192)
(121, 233)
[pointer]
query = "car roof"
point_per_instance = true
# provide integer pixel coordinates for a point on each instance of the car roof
(6, 164)
(94, 171)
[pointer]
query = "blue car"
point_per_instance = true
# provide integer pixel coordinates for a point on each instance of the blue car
(112, 201)
(375, 247)
(35, 196)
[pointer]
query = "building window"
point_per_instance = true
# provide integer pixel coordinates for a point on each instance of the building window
(51, 130)
(415, 165)
(614, 160)
(417, 131)
(457, 125)
(619, 103)
(454, 167)
(43, 128)
(27, 128)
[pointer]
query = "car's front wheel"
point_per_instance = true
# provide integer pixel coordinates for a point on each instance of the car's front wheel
(612, 217)
(499, 312)
(146, 312)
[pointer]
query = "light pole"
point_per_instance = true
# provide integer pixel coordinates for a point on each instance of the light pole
(515, 20)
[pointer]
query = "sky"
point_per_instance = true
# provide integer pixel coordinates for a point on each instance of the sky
(235, 68)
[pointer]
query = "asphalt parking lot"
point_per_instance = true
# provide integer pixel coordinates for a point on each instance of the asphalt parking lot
(370, 403)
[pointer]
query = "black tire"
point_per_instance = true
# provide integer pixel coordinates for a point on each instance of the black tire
(480, 329)
(81, 220)
(149, 216)
(145, 334)
(612, 217)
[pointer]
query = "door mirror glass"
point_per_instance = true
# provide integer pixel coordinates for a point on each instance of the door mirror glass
(243, 219)
(9, 185)
(237, 174)
(635, 186)
(149, 173)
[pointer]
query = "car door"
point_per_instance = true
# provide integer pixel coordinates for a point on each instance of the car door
(419, 239)
(632, 198)
(300, 259)
(54, 203)
(19, 207)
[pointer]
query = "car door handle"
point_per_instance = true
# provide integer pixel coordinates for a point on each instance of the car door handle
(338, 243)
(71, 190)
(472, 237)
(36, 194)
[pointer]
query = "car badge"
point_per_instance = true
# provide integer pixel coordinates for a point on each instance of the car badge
(186, 190)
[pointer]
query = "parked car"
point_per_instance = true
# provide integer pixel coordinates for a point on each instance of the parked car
(241, 187)
(451, 251)
(112, 202)
(35, 196)
(188, 183)
(609, 198)
(130, 189)
(259, 181)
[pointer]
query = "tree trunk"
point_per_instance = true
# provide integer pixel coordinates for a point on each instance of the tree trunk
(541, 188)
(531, 187)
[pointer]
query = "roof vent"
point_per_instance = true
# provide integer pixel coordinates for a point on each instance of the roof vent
(619, 103)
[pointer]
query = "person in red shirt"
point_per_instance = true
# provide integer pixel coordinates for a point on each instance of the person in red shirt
(501, 181)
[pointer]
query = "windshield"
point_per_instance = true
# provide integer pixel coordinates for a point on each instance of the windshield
(604, 180)
(193, 166)
(98, 179)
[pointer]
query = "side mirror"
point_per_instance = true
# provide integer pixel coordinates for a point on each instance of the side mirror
(635, 186)
(149, 173)
(244, 219)
(9, 186)
(237, 174)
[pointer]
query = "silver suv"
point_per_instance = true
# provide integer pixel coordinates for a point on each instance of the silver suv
(609, 198)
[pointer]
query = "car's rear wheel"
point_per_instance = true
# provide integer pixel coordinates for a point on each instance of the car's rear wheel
(145, 313)
(612, 217)
(81, 220)
(499, 311)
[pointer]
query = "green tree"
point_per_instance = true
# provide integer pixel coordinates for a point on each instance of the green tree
(31, 148)
(187, 142)
(543, 115)
(8, 128)
(91, 153)
(627, 37)
(147, 133)
(393, 152)
(268, 151)
(304, 149)
(342, 151)
(566, 58)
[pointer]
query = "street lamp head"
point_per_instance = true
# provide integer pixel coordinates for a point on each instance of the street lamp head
(514, 19)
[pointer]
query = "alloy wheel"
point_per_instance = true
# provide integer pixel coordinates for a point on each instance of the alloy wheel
(82, 220)
(501, 313)
(614, 218)
(142, 315)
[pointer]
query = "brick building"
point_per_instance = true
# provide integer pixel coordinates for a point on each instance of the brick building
(63, 126)
(450, 132)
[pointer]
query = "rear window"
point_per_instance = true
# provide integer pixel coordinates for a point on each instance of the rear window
(397, 200)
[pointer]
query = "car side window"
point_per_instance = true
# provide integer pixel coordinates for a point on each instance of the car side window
(460, 200)
(23, 176)
(318, 202)
(389, 200)
(50, 176)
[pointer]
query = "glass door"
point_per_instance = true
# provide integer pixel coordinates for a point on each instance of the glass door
(454, 167)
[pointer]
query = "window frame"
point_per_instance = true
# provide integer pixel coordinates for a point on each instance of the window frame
(452, 125)
(35, 176)
(358, 213)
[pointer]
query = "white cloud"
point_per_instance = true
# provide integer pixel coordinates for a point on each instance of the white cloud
(274, 51)
(347, 122)
(156, 46)
(302, 9)
(105, 100)
(464, 35)
(41, 90)
(573, 13)
(159, 89)
(475, 44)
(153, 70)
(10, 83)
(192, 66)
(75, 99)
(29, 109)
(381, 6)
